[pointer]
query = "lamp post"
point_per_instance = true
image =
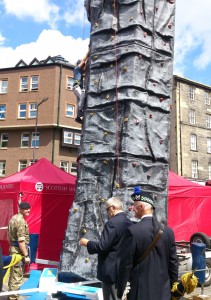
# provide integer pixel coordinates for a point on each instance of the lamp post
(35, 132)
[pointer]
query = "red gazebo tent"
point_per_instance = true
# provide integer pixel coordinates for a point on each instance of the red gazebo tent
(189, 207)
(50, 191)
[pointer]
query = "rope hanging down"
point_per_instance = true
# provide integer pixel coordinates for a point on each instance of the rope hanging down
(117, 93)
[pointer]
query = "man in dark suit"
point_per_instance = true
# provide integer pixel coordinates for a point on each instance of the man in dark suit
(152, 278)
(108, 246)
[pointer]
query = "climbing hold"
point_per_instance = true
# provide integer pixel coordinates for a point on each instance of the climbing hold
(111, 66)
(124, 68)
(134, 164)
(83, 231)
(169, 26)
(150, 116)
(91, 147)
(102, 200)
(161, 141)
(75, 210)
(126, 119)
(91, 114)
(137, 122)
(105, 133)
(131, 18)
(96, 81)
(145, 34)
(105, 162)
(117, 185)
(87, 260)
(96, 24)
(161, 99)
(95, 57)
(107, 97)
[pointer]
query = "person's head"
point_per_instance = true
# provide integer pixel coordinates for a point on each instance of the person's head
(113, 206)
(143, 202)
(24, 208)
(78, 62)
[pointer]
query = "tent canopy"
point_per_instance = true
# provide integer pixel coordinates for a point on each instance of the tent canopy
(50, 191)
(189, 206)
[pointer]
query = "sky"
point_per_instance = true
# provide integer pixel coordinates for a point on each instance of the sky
(40, 28)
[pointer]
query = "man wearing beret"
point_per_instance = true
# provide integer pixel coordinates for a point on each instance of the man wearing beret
(18, 235)
(151, 273)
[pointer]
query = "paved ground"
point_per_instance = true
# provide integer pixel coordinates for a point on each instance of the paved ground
(207, 292)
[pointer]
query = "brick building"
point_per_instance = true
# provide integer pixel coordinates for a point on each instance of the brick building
(190, 139)
(57, 135)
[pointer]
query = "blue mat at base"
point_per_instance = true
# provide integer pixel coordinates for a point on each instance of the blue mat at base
(37, 296)
(32, 282)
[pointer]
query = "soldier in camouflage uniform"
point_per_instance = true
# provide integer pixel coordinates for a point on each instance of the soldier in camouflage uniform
(18, 234)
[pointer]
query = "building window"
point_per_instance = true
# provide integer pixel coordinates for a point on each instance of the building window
(73, 169)
(207, 98)
(209, 171)
(64, 165)
(70, 110)
(194, 167)
(2, 111)
(191, 93)
(4, 140)
(2, 168)
(24, 140)
(22, 111)
(32, 110)
(77, 139)
(208, 145)
(24, 84)
(3, 86)
(34, 83)
(192, 117)
(193, 142)
(35, 142)
(22, 164)
(68, 137)
(31, 161)
(70, 82)
(208, 121)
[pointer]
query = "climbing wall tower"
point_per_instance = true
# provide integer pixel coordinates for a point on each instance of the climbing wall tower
(125, 134)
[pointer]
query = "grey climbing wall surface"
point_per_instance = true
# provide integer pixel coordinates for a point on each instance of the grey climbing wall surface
(125, 134)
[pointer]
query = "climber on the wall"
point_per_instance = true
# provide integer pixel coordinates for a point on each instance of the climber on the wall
(78, 86)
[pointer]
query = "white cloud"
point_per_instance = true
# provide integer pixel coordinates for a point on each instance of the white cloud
(193, 31)
(50, 42)
(39, 10)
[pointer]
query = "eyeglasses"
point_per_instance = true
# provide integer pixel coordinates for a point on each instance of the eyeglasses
(107, 209)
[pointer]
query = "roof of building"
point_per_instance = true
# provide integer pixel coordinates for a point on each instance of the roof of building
(55, 60)
(187, 80)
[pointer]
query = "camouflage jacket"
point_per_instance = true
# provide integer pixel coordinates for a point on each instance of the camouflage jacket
(18, 229)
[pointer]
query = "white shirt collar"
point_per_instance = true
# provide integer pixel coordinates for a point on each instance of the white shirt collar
(148, 215)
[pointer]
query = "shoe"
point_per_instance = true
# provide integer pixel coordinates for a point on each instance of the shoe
(78, 120)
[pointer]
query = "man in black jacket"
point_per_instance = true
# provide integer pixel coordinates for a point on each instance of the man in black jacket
(152, 277)
(108, 247)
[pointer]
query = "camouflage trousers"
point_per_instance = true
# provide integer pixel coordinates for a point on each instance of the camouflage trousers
(15, 280)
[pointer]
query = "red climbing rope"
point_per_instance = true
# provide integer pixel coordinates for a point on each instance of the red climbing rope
(117, 93)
